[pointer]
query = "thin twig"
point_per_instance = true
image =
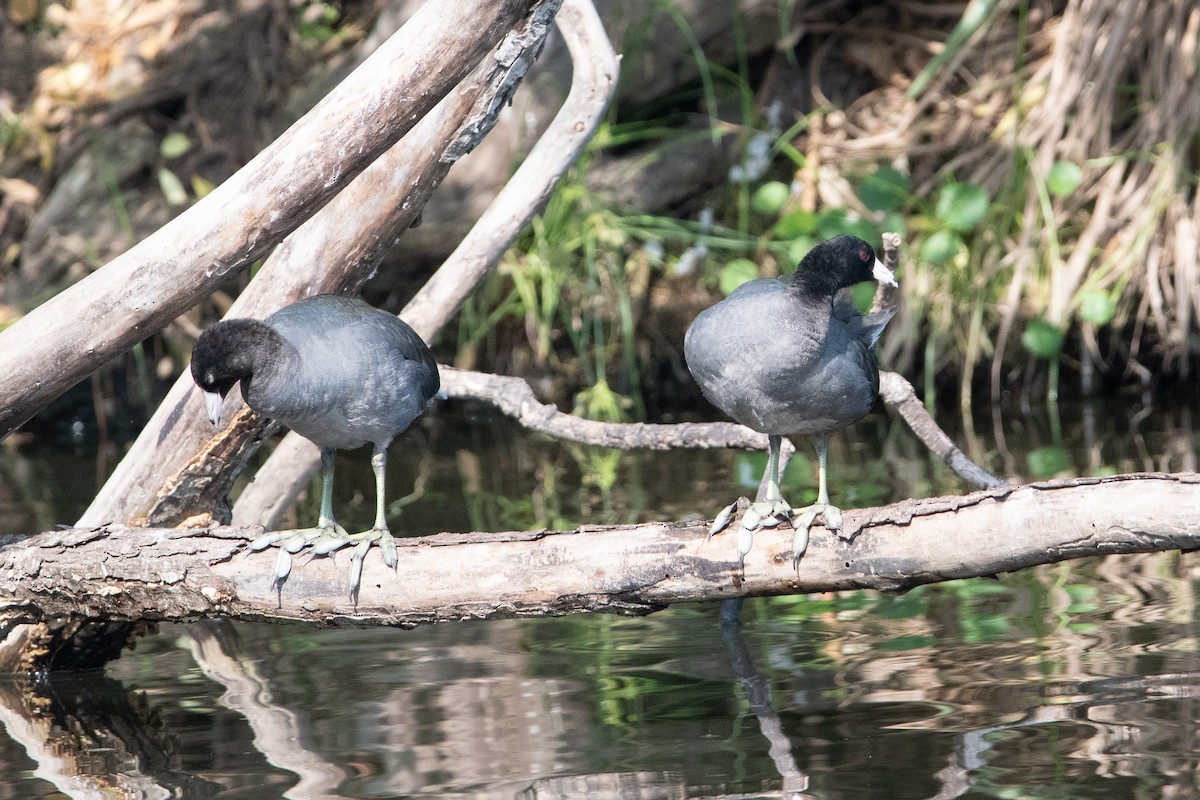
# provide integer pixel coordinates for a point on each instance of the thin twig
(514, 398)
(899, 395)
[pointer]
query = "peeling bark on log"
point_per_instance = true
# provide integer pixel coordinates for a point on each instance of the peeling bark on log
(115, 574)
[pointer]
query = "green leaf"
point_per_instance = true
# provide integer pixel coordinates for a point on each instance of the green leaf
(985, 628)
(1042, 339)
(836, 221)
(174, 145)
(913, 641)
(884, 190)
(906, 606)
(770, 197)
(894, 221)
(1084, 598)
(863, 294)
(172, 187)
(1046, 462)
(796, 250)
(201, 187)
(962, 206)
(1063, 178)
(975, 588)
(1097, 307)
(737, 272)
(795, 224)
(941, 246)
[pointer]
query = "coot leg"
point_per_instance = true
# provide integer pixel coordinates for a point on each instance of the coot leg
(329, 537)
(804, 517)
(378, 534)
(326, 537)
(769, 512)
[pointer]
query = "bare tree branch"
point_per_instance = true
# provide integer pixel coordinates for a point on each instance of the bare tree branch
(514, 398)
(593, 82)
(61, 341)
(172, 470)
(899, 395)
(594, 67)
(115, 573)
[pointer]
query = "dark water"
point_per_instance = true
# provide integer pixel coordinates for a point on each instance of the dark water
(1073, 680)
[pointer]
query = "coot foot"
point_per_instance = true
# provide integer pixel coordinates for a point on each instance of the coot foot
(293, 541)
(803, 521)
(766, 514)
(362, 545)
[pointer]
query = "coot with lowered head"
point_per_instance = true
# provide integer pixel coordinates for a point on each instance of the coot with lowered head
(340, 373)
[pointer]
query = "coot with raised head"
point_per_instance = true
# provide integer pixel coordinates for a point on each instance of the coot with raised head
(792, 355)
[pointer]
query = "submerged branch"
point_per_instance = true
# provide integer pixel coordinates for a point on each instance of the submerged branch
(117, 573)
(898, 394)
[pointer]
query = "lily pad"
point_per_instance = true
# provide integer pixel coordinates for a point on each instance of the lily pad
(1097, 307)
(770, 197)
(795, 224)
(884, 190)
(940, 247)
(1063, 178)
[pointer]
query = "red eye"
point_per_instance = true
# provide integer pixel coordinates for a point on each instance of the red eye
(862, 255)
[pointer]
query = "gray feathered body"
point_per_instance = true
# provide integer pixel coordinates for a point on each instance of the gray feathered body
(783, 363)
(347, 373)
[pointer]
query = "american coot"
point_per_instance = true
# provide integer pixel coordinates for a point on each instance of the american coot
(336, 371)
(788, 356)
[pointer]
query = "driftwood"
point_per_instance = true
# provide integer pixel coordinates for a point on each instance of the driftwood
(173, 468)
(116, 573)
(593, 83)
(60, 342)
(101, 574)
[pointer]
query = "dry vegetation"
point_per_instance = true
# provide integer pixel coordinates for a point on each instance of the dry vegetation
(1112, 87)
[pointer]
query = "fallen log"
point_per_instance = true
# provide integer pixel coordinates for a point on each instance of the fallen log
(115, 573)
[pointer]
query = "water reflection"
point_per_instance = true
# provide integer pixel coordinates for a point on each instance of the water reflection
(1075, 679)
(925, 695)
